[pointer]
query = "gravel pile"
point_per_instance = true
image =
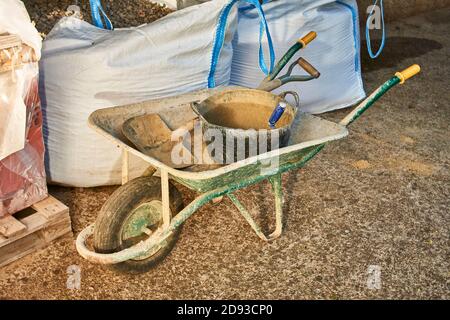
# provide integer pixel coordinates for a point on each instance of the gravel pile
(123, 13)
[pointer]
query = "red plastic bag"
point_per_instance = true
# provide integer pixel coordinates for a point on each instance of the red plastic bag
(22, 174)
(22, 170)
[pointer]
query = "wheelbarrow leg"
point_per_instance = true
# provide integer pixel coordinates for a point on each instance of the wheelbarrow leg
(150, 171)
(276, 187)
(125, 166)
(278, 191)
(165, 197)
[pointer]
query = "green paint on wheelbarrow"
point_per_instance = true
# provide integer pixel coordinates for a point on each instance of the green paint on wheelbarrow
(255, 171)
(285, 59)
(142, 218)
(377, 94)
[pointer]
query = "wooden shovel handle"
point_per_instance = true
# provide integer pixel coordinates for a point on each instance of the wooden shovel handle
(308, 68)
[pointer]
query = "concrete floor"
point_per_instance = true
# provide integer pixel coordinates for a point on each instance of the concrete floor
(381, 198)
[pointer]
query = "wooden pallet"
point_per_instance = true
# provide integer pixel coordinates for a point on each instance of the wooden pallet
(33, 229)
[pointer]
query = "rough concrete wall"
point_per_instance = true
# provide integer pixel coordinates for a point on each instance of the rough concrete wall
(397, 9)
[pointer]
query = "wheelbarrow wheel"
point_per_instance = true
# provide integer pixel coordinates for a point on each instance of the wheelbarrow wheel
(129, 216)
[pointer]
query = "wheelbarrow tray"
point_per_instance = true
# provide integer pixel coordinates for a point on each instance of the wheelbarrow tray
(308, 132)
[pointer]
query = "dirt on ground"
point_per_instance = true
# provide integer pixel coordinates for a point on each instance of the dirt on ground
(122, 13)
(377, 200)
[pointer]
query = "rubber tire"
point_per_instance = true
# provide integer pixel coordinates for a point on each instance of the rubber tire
(115, 211)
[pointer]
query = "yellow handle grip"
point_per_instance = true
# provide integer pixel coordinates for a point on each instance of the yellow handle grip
(308, 38)
(408, 73)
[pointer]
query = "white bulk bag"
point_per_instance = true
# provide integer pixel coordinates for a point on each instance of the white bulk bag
(335, 52)
(84, 68)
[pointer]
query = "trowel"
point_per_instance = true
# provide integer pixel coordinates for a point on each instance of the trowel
(151, 135)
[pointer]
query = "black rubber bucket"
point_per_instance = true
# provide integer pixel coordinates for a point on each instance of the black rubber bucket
(240, 118)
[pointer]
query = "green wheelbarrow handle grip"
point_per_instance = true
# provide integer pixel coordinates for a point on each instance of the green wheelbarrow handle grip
(400, 77)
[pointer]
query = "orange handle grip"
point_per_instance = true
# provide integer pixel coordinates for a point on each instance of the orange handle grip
(308, 38)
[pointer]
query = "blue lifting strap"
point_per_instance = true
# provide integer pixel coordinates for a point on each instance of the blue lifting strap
(220, 36)
(383, 39)
(98, 15)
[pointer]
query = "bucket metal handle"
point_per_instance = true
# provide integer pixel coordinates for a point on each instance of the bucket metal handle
(194, 107)
(292, 93)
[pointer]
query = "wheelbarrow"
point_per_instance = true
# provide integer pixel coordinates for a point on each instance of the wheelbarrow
(139, 224)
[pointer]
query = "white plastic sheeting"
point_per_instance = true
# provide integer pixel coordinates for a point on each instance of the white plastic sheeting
(14, 20)
(85, 68)
(22, 173)
(335, 52)
(12, 110)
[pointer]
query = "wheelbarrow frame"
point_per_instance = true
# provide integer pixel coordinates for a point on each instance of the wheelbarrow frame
(220, 182)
